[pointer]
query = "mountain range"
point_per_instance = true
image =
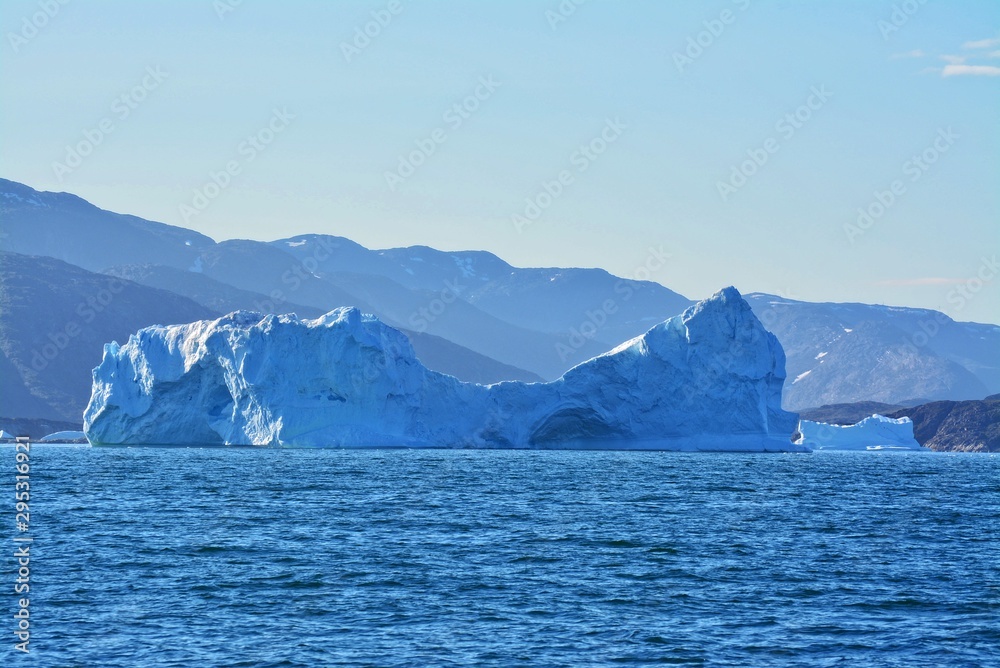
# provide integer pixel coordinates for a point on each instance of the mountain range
(468, 313)
(844, 353)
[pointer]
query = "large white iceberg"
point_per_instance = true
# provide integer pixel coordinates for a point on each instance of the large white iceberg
(873, 433)
(708, 379)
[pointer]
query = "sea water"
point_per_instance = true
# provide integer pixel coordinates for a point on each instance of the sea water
(265, 557)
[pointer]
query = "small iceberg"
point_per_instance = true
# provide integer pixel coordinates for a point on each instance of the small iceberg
(64, 437)
(873, 433)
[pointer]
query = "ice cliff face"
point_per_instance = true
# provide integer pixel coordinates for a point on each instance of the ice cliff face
(709, 378)
(873, 433)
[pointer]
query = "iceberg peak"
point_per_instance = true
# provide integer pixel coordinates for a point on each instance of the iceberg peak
(350, 316)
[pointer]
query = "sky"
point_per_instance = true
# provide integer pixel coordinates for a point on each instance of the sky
(824, 151)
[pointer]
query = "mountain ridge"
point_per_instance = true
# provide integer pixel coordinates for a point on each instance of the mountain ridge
(55, 318)
(540, 320)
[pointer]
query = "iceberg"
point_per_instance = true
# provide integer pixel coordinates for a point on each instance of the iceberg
(873, 433)
(708, 379)
(63, 437)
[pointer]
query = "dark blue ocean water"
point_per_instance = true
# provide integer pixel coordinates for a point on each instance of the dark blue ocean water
(200, 557)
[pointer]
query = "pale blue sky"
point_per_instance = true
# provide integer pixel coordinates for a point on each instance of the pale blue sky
(783, 231)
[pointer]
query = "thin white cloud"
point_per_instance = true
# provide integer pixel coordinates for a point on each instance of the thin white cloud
(982, 43)
(970, 70)
(959, 65)
(917, 282)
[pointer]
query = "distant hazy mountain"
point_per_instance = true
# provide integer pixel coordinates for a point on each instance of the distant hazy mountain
(66, 227)
(258, 267)
(56, 318)
(554, 300)
(71, 229)
(435, 352)
(314, 281)
(210, 293)
(540, 320)
(844, 353)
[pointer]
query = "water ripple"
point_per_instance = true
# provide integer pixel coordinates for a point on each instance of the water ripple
(243, 557)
